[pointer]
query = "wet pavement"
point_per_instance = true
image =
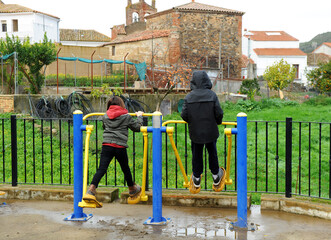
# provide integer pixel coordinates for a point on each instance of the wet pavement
(44, 220)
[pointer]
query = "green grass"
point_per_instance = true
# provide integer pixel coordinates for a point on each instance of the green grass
(262, 159)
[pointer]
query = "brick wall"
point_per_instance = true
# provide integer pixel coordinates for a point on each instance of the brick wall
(6, 103)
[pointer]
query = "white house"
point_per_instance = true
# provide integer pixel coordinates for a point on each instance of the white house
(25, 22)
(264, 48)
(324, 48)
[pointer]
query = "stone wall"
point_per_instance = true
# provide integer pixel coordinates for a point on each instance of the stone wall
(6, 103)
(200, 39)
(141, 51)
(195, 37)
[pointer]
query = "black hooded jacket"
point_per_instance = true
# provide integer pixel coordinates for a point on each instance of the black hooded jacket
(201, 110)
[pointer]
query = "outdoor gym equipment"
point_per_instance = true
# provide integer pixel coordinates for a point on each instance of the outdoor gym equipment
(157, 129)
(83, 203)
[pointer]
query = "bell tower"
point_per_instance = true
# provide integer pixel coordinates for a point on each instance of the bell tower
(137, 11)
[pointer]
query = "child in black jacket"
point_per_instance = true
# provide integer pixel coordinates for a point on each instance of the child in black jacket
(202, 111)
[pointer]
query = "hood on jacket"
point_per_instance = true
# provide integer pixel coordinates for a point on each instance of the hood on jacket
(115, 111)
(200, 80)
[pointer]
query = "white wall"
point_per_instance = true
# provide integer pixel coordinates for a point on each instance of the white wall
(32, 25)
(267, 44)
(43, 23)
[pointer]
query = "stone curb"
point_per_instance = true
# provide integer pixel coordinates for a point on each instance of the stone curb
(296, 205)
(53, 193)
(185, 198)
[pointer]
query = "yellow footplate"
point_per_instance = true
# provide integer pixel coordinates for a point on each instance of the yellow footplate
(90, 204)
(134, 200)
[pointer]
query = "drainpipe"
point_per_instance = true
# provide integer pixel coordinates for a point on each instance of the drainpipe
(57, 71)
(125, 72)
(92, 69)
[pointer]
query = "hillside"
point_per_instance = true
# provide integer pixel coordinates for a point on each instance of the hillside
(319, 39)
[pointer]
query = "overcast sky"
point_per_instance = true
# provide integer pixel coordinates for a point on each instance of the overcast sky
(303, 19)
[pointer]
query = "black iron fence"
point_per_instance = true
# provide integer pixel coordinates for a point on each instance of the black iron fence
(287, 157)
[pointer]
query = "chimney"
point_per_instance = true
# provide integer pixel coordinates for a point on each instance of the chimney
(153, 3)
(129, 2)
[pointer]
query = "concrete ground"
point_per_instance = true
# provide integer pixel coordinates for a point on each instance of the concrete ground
(31, 219)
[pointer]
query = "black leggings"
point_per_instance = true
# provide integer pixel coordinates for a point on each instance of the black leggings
(197, 158)
(107, 154)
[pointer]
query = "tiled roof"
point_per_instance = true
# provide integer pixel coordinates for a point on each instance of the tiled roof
(82, 35)
(279, 52)
(327, 44)
(270, 36)
(197, 7)
(15, 8)
(139, 36)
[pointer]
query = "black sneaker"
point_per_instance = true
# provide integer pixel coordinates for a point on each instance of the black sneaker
(194, 184)
(219, 176)
(196, 181)
(219, 180)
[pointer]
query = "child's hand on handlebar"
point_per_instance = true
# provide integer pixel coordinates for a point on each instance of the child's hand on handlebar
(139, 113)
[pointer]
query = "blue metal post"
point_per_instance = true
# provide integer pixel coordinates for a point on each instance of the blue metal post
(157, 172)
(78, 214)
(242, 170)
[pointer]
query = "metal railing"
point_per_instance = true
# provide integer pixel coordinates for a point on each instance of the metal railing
(286, 157)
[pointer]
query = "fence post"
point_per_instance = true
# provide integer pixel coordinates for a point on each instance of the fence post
(13, 149)
(288, 190)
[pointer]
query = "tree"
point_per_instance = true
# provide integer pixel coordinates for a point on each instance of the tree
(31, 57)
(166, 77)
(320, 78)
(279, 75)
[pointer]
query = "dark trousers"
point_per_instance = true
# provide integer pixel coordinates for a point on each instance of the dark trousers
(107, 154)
(197, 158)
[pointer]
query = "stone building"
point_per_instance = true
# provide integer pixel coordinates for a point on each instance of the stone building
(205, 36)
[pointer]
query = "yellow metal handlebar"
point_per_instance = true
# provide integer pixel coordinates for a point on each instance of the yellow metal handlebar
(181, 121)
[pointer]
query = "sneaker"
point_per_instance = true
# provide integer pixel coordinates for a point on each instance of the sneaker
(219, 180)
(136, 189)
(195, 184)
(89, 196)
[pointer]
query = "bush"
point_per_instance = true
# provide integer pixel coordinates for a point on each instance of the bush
(320, 78)
(319, 100)
(251, 88)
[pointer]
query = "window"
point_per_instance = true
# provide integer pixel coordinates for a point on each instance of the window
(4, 26)
(113, 51)
(15, 25)
(135, 17)
(296, 66)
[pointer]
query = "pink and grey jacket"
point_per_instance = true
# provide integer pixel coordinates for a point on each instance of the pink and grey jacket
(116, 123)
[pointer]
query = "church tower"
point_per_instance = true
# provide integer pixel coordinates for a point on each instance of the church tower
(137, 11)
